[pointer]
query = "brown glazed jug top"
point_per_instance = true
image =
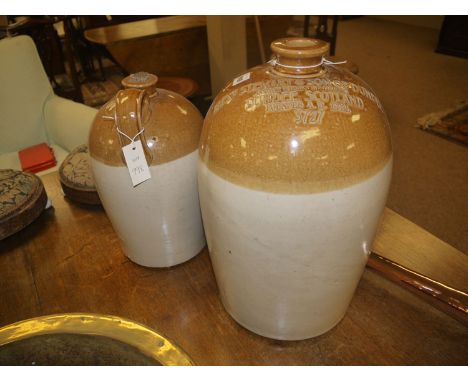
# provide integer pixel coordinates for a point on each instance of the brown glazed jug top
(296, 125)
(299, 56)
(168, 125)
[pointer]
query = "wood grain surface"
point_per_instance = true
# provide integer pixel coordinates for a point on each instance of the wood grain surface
(179, 54)
(142, 29)
(70, 260)
(172, 46)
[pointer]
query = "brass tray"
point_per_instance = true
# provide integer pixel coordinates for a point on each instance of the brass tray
(86, 339)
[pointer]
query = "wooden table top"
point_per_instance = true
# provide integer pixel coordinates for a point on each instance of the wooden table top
(142, 29)
(70, 260)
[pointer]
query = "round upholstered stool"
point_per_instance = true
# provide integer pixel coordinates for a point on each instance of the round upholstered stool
(76, 177)
(22, 200)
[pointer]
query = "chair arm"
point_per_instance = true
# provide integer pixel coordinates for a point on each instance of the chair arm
(67, 122)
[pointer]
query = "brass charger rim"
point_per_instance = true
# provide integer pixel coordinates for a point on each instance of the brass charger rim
(143, 338)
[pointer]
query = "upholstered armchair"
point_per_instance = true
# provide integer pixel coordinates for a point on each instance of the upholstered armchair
(30, 112)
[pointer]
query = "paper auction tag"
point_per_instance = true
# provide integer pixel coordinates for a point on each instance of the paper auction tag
(136, 162)
(240, 79)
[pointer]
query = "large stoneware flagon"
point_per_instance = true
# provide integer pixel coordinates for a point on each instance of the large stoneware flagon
(294, 167)
(157, 221)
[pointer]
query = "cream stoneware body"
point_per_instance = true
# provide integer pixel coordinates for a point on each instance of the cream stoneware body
(158, 221)
(294, 167)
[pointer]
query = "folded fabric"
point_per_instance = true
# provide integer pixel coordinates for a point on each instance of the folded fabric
(37, 158)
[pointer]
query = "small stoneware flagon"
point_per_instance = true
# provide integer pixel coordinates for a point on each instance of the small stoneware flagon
(158, 221)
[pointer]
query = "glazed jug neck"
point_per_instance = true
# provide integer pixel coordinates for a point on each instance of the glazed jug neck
(141, 81)
(299, 55)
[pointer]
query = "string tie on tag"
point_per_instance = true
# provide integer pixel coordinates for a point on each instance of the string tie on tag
(323, 61)
(129, 138)
(114, 118)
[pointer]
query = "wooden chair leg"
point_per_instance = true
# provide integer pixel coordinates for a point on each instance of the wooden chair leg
(260, 39)
(71, 61)
(334, 35)
(306, 26)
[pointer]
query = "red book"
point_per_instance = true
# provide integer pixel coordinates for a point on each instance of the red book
(37, 158)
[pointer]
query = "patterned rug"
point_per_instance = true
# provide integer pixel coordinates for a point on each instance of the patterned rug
(98, 93)
(451, 123)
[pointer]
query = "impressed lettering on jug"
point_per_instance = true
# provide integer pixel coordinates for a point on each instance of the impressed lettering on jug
(309, 99)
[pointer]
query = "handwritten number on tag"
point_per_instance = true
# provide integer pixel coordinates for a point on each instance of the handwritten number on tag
(136, 162)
